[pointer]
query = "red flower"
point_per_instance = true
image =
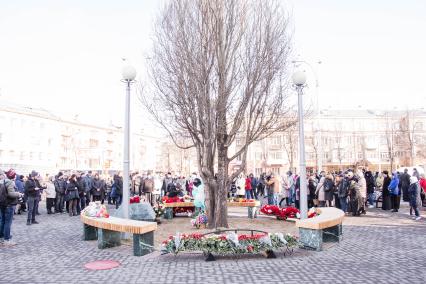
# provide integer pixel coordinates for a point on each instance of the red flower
(249, 248)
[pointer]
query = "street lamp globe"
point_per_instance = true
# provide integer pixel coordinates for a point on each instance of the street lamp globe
(128, 72)
(299, 78)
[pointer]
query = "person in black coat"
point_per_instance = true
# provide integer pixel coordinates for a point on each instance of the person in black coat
(118, 183)
(96, 188)
(72, 193)
(386, 203)
(404, 183)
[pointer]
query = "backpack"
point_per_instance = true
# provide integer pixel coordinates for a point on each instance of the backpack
(3, 195)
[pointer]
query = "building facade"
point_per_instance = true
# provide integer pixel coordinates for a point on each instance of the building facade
(36, 139)
(349, 138)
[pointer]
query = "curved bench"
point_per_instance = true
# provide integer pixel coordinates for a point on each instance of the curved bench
(108, 232)
(327, 227)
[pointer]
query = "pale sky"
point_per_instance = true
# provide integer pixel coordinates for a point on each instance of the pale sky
(66, 55)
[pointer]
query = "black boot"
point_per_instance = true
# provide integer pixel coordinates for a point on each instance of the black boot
(28, 222)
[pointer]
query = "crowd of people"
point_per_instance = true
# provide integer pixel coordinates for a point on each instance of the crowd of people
(352, 190)
(70, 192)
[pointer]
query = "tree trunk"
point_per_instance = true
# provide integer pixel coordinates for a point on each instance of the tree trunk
(221, 209)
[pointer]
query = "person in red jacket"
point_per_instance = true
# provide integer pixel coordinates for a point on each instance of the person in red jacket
(249, 190)
(422, 188)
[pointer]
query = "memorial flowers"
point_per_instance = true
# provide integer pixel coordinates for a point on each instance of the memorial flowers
(230, 243)
(95, 209)
(284, 213)
(199, 221)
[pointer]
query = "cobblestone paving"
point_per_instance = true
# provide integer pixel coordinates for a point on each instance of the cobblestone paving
(377, 248)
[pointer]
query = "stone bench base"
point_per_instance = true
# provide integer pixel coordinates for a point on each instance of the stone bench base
(313, 239)
(142, 244)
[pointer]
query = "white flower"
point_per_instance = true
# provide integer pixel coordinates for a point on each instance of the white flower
(281, 238)
(233, 237)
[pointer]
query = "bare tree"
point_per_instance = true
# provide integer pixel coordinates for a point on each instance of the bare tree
(289, 144)
(338, 134)
(219, 70)
(390, 133)
(313, 142)
(407, 131)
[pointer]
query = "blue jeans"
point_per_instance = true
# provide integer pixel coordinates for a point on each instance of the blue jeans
(6, 216)
(249, 194)
(344, 203)
(272, 199)
(32, 203)
(370, 197)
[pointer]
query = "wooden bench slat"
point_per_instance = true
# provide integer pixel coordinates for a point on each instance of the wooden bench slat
(120, 224)
(329, 217)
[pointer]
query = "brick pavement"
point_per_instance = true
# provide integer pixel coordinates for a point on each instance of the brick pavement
(377, 248)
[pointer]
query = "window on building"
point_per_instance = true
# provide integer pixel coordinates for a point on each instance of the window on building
(359, 155)
(275, 140)
(1, 153)
(258, 155)
(276, 155)
(384, 155)
(258, 172)
(93, 143)
(22, 155)
(31, 155)
(275, 171)
(12, 154)
(1, 137)
(418, 125)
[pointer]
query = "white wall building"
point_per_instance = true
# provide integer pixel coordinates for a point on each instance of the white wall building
(349, 138)
(36, 139)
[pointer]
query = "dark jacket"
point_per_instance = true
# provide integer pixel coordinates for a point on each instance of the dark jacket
(30, 188)
(343, 188)
(60, 186)
(404, 180)
(371, 182)
(73, 189)
(97, 187)
(118, 183)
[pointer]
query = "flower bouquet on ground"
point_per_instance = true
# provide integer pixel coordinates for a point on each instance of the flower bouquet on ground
(167, 199)
(159, 210)
(230, 243)
(95, 209)
(199, 221)
(284, 213)
(135, 199)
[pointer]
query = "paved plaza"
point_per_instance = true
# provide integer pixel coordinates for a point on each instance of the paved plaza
(381, 247)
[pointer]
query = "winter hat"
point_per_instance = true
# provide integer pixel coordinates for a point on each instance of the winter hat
(60, 174)
(11, 174)
(34, 173)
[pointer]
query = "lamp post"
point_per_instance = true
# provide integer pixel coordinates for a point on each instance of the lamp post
(318, 112)
(299, 80)
(129, 74)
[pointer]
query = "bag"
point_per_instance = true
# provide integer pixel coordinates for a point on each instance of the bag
(3, 195)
